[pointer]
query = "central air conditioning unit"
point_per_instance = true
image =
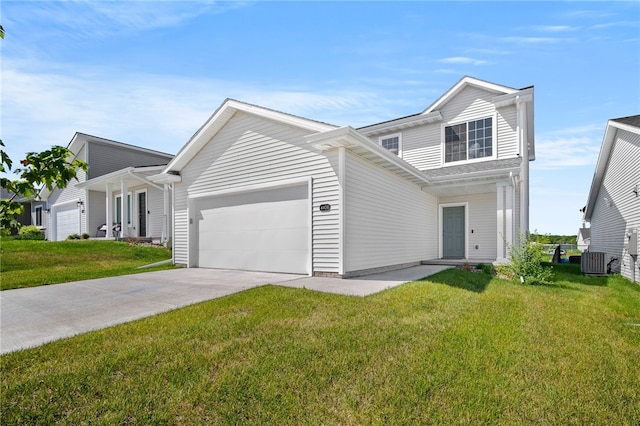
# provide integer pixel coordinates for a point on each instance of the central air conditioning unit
(592, 262)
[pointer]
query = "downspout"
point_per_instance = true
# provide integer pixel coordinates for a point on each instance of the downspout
(524, 166)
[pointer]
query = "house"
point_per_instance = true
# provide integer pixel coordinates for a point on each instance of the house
(613, 206)
(584, 237)
(24, 218)
(96, 198)
(258, 189)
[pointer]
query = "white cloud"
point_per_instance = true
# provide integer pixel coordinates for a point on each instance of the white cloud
(462, 60)
(571, 147)
(159, 112)
(555, 28)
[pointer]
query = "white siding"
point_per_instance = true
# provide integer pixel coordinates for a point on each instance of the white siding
(155, 207)
(507, 132)
(69, 194)
(248, 151)
(482, 224)
(422, 145)
(388, 221)
(96, 212)
(611, 221)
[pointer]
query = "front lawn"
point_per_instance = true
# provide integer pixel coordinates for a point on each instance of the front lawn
(460, 348)
(34, 263)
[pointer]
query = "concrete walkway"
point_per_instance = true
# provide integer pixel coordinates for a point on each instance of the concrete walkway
(33, 316)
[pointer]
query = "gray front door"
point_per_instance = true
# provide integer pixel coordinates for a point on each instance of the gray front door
(453, 231)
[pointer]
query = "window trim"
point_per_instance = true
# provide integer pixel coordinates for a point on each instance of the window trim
(394, 135)
(128, 211)
(37, 213)
(494, 140)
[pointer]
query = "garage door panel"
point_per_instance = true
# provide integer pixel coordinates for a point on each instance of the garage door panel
(266, 231)
(67, 221)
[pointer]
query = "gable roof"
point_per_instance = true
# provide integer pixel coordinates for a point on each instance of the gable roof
(630, 124)
(504, 96)
(79, 139)
(221, 117)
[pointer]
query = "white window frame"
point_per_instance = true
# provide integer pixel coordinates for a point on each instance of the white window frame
(395, 135)
(37, 213)
(136, 213)
(494, 140)
(127, 211)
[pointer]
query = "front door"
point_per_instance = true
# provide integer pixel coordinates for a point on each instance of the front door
(453, 232)
(142, 214)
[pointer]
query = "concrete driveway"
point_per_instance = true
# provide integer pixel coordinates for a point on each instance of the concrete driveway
(33, 316)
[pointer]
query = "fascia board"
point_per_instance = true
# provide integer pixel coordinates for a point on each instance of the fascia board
(626, 127)
(601, 165)
(464, 82)
(525, 95)
(165, 178)
(484, 174)
(350, 138)
(222, 115)
(105, 178)
(402, 123)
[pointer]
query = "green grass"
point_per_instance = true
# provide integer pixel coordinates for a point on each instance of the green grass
(34, 263)
(461, 348)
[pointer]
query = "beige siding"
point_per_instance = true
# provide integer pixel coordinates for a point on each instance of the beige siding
(611, 221)
(254, 151)
(482, 224)
(388, 221)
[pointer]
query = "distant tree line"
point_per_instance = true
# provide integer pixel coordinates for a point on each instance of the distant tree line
(553, 239)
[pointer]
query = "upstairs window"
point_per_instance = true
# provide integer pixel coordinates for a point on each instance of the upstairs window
(392, 143)
(468, 141)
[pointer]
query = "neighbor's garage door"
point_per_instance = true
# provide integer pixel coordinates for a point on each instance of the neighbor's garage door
(266, 230)
(66, 221)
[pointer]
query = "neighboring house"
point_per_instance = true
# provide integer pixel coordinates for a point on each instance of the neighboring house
(258, 189)
(584, 236)
(95, 199)
(25, 218)
(613, 207)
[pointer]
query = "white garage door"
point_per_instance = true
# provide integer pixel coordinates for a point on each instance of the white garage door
(66, 221)
(265, 230)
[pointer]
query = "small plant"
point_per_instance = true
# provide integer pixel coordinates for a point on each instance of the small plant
(487, 269)
(73, 237)
(85, 236)
(526, 263)
(30, 232)
(467, 266)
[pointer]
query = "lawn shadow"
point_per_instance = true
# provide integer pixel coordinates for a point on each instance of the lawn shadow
(476, 282)
(572, 273)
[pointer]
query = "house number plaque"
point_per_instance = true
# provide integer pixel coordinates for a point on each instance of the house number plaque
(325, 207)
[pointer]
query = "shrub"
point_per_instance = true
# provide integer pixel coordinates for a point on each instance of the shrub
(487, 269)
(73, 237)
(30, 232)
(85, 236)
(526, 263)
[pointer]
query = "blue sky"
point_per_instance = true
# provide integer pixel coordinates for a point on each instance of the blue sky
(150, 73)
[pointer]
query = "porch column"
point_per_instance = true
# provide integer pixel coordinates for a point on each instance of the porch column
(124, 209)
(504, 216)
(109, 213)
